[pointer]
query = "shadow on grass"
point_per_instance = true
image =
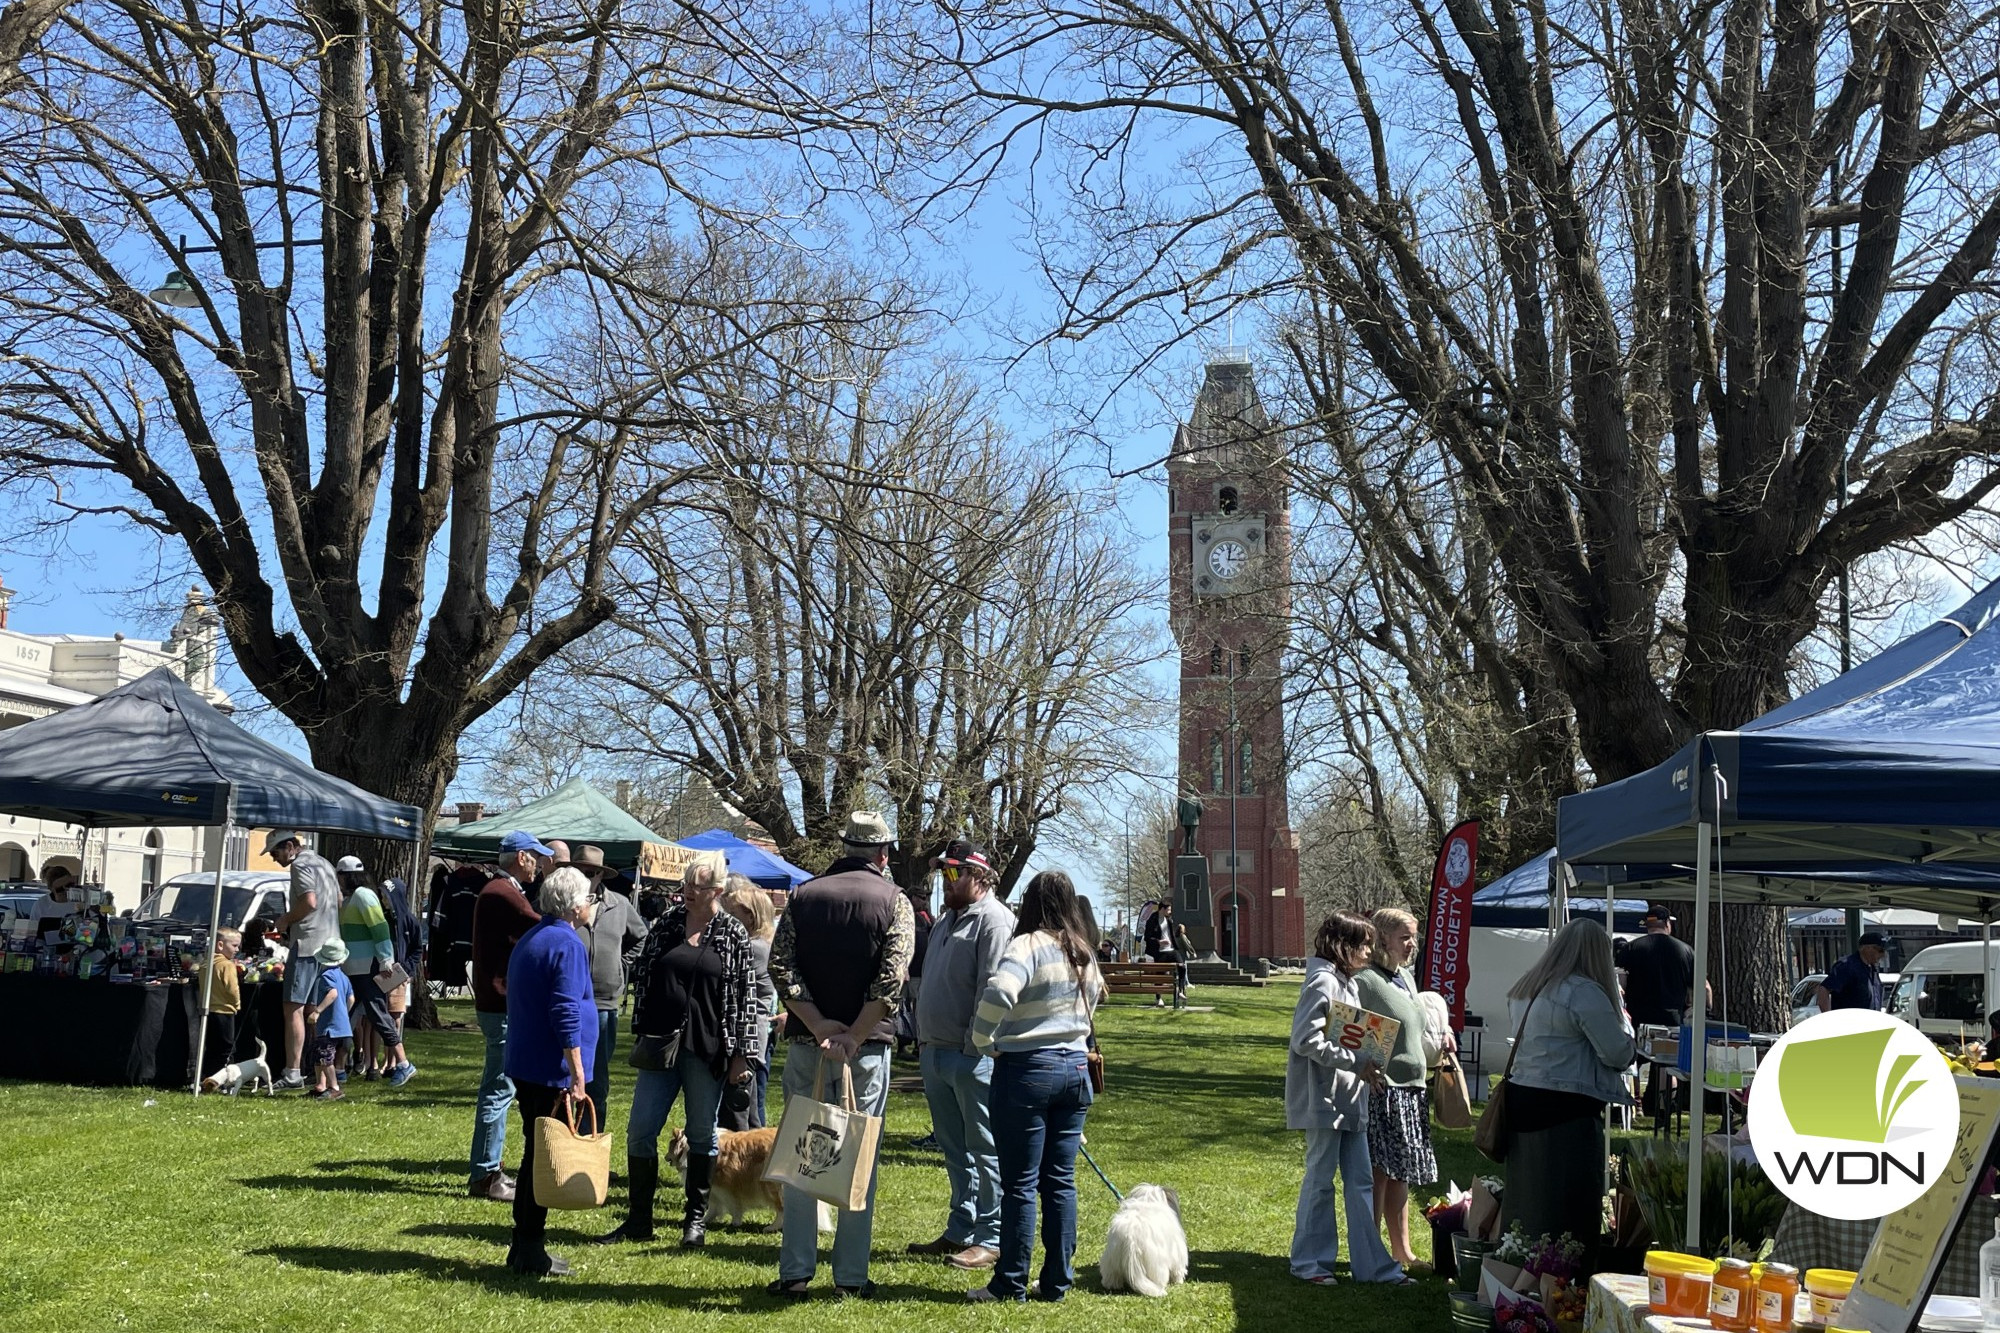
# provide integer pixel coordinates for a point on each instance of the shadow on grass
(350, 1184)
(749, 1299)
(1268, 1298)
(371, 1175)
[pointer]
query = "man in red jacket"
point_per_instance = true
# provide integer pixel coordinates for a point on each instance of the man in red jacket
(502, 915)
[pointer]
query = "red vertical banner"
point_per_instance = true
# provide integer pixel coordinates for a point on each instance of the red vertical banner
(1448, 931)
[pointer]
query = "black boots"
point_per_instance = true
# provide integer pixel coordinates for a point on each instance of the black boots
(642, 1183)
(700, 1175)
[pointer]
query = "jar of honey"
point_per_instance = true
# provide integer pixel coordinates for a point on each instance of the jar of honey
(1826, 1293)
(1732, 1296)
(1777, 1298)
(1678, 1284)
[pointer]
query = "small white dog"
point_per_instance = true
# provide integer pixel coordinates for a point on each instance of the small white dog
(232, 1078)
(1145, 1249)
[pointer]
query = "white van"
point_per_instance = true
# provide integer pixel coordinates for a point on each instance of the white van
(1943, 990)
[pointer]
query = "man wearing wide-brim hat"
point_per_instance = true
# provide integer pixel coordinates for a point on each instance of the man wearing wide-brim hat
(615, 937)
(840, 960)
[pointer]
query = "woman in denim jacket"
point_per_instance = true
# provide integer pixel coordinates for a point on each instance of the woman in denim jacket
(1573, 1046)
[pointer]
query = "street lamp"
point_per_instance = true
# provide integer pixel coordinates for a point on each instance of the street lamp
(178, 292)
(1235, 791)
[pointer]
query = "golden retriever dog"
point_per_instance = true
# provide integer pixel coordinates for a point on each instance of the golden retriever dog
(739, 1187)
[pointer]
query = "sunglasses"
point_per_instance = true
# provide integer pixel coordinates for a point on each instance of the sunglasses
(951, 873)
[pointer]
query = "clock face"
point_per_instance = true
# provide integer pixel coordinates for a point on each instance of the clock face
(1228, 559)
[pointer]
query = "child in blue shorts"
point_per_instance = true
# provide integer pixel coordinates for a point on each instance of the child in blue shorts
(333, 1029)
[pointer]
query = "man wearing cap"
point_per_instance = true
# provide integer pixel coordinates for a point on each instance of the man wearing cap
(371, 957)
(500, 918)
(312, 921)
(1856, 981)
(1659, 982)
(1659, 971)
(614, 937)
(839, 961)
(964, 952)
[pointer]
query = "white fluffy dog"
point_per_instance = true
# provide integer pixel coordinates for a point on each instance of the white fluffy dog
(1145, 1250)
(231, 1079)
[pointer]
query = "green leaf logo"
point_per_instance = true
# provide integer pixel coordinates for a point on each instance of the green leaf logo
(1830, 1086)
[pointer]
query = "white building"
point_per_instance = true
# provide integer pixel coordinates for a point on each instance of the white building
(42, 674)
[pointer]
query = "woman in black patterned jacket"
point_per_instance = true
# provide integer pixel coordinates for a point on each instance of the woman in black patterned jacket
(692, 988)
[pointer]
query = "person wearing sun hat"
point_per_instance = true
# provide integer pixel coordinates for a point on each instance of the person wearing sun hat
(965, 949)
(840, 960)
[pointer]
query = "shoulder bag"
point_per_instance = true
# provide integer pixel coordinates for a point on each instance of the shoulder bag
(1492, 1134)
(658, 1053)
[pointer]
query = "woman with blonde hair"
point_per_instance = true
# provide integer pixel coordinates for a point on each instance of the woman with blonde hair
(751, 905)
(1399, 1116)
(1571, 1049)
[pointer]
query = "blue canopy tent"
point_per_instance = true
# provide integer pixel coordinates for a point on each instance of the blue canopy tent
(749, 860)
(1526, 896)
(1880, 787)
(155, 752)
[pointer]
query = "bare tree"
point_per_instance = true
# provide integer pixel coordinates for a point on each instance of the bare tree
(881, 600)
(387, 410)
(1647, 283)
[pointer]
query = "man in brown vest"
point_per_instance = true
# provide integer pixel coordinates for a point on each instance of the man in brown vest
(839, 961)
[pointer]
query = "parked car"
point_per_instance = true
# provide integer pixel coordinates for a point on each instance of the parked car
(1803, 1004)
(18, 901)
(185, 900)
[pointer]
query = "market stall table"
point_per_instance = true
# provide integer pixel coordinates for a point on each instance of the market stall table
(60, 1030)
(1619, 1304)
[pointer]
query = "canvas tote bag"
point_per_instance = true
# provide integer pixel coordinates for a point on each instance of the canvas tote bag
(572, 1170)
(825, 1149)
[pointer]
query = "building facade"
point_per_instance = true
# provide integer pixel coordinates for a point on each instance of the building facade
(42, 674)
(1230, 560)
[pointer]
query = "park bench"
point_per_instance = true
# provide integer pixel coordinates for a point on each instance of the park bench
(1139, 978)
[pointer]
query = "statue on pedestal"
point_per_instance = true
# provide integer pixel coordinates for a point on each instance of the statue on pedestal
(1190, 820)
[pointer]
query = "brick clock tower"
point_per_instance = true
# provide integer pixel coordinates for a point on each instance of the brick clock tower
(1230, 546)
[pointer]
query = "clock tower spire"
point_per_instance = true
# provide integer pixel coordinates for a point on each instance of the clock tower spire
(1230, 558)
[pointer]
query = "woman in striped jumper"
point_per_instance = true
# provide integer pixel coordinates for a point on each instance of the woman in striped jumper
(1035, 1021)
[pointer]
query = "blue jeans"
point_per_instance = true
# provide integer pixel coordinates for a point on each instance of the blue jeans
(1039, 1101)
(496, 1094)
(758, 1116)
(653, 1093)
(798, 1251)
(1316, 1234)
(959, 1089)
(600, 1070)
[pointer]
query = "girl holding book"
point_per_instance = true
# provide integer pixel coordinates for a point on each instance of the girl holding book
(1327, 1088)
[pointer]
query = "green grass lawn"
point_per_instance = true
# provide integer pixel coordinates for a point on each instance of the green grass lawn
(254, 1213)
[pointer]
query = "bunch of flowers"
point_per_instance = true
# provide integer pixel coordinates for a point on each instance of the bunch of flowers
(1569, 1303)
(1522, 1316)
(1559, 1257)
(1515, 1247)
